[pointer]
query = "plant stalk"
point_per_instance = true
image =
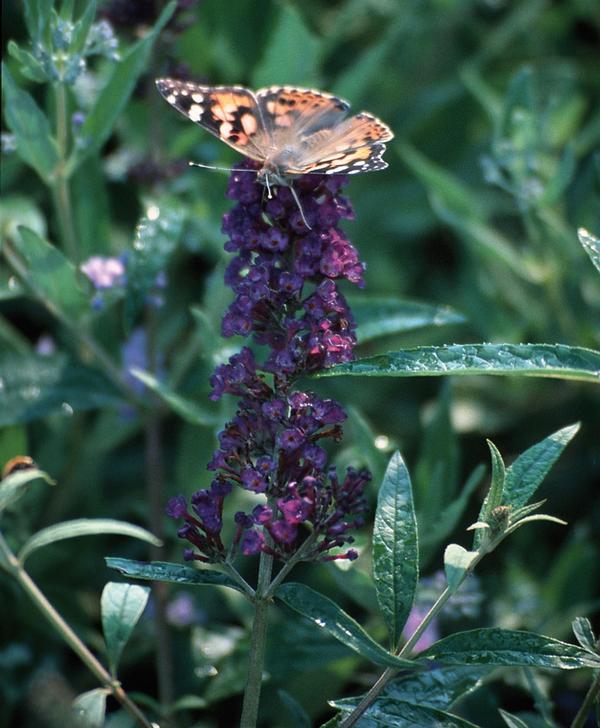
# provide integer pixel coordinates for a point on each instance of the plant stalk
(14, 567)
(258, 642)
(593, 694)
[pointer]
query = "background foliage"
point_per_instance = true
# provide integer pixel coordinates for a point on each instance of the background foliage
(494, 168)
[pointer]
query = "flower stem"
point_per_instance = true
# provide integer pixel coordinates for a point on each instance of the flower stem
(588, 703)
(60, 188)
(256, 658)
(14, 567)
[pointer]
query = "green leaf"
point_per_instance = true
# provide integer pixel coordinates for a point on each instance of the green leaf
(174, 573)
(189, 411)
(457, 561)
(33, 136)
(448, 519)
(12, 487)
(395, 551)
(113, 98)
(526, 360)
(493, 497)
(591, 245)
(512, 721)
(84, 527)
(386, 316)
(31, 68)
(495, 646)
(90, 708)
(122, 606)
(386, 712)
(50, 275)
(582, 629)
(327, 615)
(16, 210)
(37, 386)
(439, 688)
(292, 54)
(82, 28)
(531, 467)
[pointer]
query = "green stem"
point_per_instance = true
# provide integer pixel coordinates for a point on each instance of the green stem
(258, 642)
(14, 567)
(588, 703)
(60, 188)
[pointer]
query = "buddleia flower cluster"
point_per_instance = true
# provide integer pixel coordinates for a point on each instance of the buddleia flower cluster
(288, 261)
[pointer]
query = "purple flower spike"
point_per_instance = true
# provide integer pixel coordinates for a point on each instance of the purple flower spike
(285, 278)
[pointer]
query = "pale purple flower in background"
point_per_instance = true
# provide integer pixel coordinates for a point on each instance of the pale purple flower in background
(45, 345)
(104, 272)
(181, 611)
(429, 636)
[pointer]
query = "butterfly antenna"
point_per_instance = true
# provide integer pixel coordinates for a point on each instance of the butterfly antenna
(220, 169)
(297, 201)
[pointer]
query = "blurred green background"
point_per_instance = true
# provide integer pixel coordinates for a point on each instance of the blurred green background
(495, 165)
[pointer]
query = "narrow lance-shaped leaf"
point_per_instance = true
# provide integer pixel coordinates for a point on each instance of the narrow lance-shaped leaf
(122, 606)
(591, 245)
(395, 551)
(51, 276)
(582, 629)
(174, 573)
(84, 527)
(189, 411)
(12, 487)
(528, 471)
(493, 497)
(111, 101)
(327, 615)
(33, 136)
(526, 360)
(386, 712)
(438, 688)
(495, 646)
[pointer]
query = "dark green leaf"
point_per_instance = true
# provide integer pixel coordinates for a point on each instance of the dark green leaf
(494, 646)
(12, 487)
(51, 276)
(84, 527)
(24, 118)
(328, 616)
(114, 96)
(493, 497)
(82, 28)
(531, 467)
(385, 316)
(529, 360)
(90, 708)
(292, 53)
(174, 573)
(591, 245)
(439, 688)
(189, 411)
(395, 551)
(36, 386)
(512, 721)
(386, 712)
(122, 606)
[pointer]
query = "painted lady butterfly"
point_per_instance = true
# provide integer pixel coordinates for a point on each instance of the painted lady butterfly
(290, 131)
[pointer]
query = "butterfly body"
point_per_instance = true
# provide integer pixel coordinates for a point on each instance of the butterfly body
(290, 131)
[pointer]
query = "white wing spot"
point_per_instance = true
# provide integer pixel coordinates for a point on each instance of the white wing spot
(195, 112)
(184, 92)
(171, 98)
(197, 97)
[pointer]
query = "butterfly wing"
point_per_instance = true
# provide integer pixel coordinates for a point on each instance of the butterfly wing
(231, 113)
(291, 113)
(354, 145)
